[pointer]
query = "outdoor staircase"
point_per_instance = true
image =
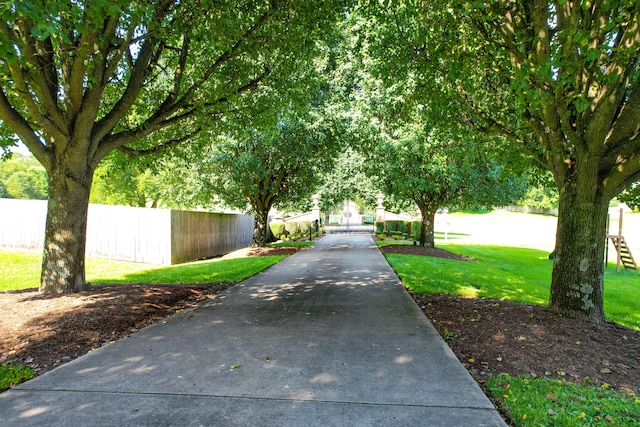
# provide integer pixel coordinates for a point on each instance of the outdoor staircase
(624, 253)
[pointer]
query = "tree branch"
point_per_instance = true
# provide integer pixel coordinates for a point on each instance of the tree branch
(131, 152)
(134, 85)
(21, 78)
(22, 128)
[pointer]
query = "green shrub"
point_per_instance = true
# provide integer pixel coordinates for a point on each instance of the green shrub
(381, 236)
(396, 237)
(415, 229)
(398, 227)
(391, 226)
(379, 227)
(298, 227)
(277, 230)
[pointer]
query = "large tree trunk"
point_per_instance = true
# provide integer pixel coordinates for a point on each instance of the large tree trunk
(577, 278)
(63, 261)
(427, 226)
(260, 224)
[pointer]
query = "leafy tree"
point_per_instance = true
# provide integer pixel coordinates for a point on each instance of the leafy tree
(130, 182)
(436, 170)
(542, 192)
(81, 79)
(560, 79)
(22, 177)
(22, 185)
(270, 166)
(631, 196)
(279, 157)
(348, 179)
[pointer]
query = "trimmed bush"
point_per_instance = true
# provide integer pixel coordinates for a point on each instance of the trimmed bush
(300, 227)
(379, 227)
(277, 230)
(398, 227)
(415, 229)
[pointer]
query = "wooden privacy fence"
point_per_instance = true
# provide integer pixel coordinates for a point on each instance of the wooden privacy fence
(155, 236)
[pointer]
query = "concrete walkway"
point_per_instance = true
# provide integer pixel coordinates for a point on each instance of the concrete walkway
(327, 337)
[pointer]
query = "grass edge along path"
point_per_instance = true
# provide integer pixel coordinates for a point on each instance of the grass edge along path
(21, 270)
(512, 274)
(523, 275)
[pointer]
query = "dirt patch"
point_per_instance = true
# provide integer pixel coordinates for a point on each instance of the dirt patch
(491, 337)
(421, 250)
(44, 332)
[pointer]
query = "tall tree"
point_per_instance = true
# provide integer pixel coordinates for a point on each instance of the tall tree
(434, 169)
(120, 180)
(81, 79)
(561, 79)
(271, 165)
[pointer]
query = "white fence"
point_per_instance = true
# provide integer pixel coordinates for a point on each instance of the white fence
(529, 209)
(155, 236)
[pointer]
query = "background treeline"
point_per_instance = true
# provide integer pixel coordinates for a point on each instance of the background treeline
(22, 177)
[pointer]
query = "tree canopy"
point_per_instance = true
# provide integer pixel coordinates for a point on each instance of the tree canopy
(81, 79)
(560, 79)
(271, 166)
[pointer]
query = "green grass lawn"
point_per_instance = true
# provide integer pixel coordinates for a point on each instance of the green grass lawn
(546, 402)
(21, 270)
(513, 274)
(11, 375)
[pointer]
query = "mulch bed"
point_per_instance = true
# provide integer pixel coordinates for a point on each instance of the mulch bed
(422, 251)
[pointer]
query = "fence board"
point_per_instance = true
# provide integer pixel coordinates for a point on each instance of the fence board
(22, 223)
(197, 235)
(155, 236)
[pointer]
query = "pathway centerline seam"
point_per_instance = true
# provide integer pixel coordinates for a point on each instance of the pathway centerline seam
(250, 397)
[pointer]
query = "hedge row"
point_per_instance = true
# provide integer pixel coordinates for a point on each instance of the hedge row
(410, 228)
(277, 228)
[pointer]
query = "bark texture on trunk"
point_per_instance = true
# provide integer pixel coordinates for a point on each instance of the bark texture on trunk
(63, 261)
(427, 226)
(260, 224)
(577, 277)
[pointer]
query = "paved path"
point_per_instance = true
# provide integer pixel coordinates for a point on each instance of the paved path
(327, 337)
